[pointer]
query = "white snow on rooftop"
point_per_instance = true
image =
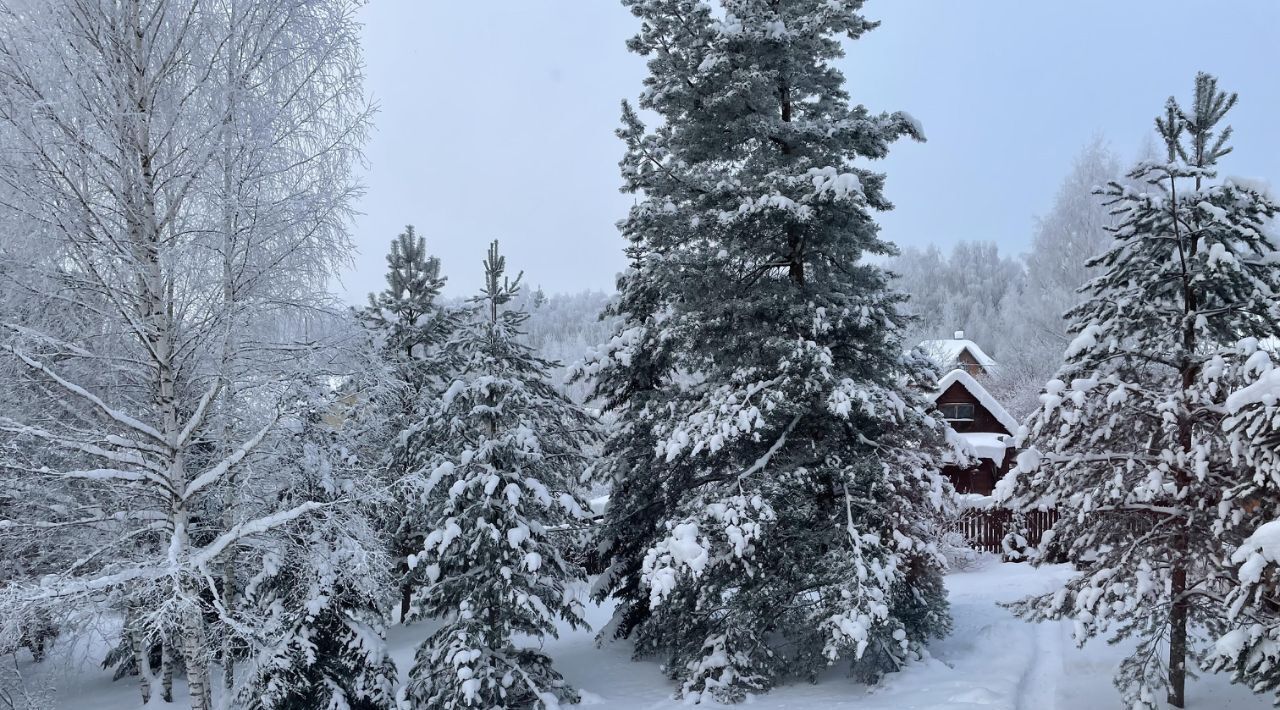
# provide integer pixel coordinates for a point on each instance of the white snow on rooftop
(986, 445)
(947, 352)
(981, 445)
(979, 393)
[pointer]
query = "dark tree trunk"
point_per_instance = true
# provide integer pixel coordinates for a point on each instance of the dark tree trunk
(1178, 602)
(1178, 638)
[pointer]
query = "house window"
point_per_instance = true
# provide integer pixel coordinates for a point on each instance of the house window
(957, 412)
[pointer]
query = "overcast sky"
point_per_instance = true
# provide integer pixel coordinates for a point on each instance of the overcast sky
(496, 118)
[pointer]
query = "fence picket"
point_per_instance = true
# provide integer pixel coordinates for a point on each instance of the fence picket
(985, 529)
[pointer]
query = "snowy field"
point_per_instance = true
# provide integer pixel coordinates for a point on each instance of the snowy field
(991, 661)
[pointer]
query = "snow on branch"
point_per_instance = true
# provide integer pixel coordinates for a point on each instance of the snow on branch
(197, 417)
(240, 531)
(119, 457)
(763, 461)
(51, 588)
(149, 515)
(37, 335)
(1265, 391)
(218, 470)
(727, 412)
(100, 474)
(117, 416)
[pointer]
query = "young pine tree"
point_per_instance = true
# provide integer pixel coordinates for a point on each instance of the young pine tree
(1128, 440)
(773, 467)
(412, 328)
(511, 458)
(406, 310)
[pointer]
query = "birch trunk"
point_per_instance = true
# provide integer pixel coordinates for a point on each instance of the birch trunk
(166, 670)
(197, 662)
(158, 330)
(141, 657)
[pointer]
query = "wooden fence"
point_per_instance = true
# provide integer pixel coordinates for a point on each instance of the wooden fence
(985, 529)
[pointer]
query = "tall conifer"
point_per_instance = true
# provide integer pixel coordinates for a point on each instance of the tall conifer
(412, 328)
(773, 461)
(1128, 440)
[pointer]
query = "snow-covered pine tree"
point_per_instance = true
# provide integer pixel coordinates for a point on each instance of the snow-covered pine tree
(773, 462)
(1128, 440)
(512, 457)
(1250, 650)
(322, 587)
(407, 310)
(412, 327)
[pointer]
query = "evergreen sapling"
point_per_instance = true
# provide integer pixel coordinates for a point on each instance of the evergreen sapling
(505, 479)
(323, 586)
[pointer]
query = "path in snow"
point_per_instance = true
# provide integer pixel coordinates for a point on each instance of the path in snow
(1038, 686)
(991, 659)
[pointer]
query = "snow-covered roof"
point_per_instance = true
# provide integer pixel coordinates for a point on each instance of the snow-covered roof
(979, 393)
(987, 445)
(980, 445)
(947, 352)
(975, 501)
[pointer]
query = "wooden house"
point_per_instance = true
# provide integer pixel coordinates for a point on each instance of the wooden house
(985, 428)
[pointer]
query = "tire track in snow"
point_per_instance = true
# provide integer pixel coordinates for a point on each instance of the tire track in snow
(1038, 686)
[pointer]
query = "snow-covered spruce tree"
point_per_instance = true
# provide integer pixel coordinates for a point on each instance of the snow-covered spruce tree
(411, 327)
(323, 586)
(773, 465)
(512, 457)
(1128, 440)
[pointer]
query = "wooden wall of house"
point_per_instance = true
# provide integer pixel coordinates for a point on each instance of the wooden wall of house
(982, 418)
(980, 479)
(969, 363)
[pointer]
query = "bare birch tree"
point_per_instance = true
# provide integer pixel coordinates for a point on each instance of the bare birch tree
(185, 165)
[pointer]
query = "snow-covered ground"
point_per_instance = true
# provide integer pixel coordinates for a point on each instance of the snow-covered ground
(991, 661)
